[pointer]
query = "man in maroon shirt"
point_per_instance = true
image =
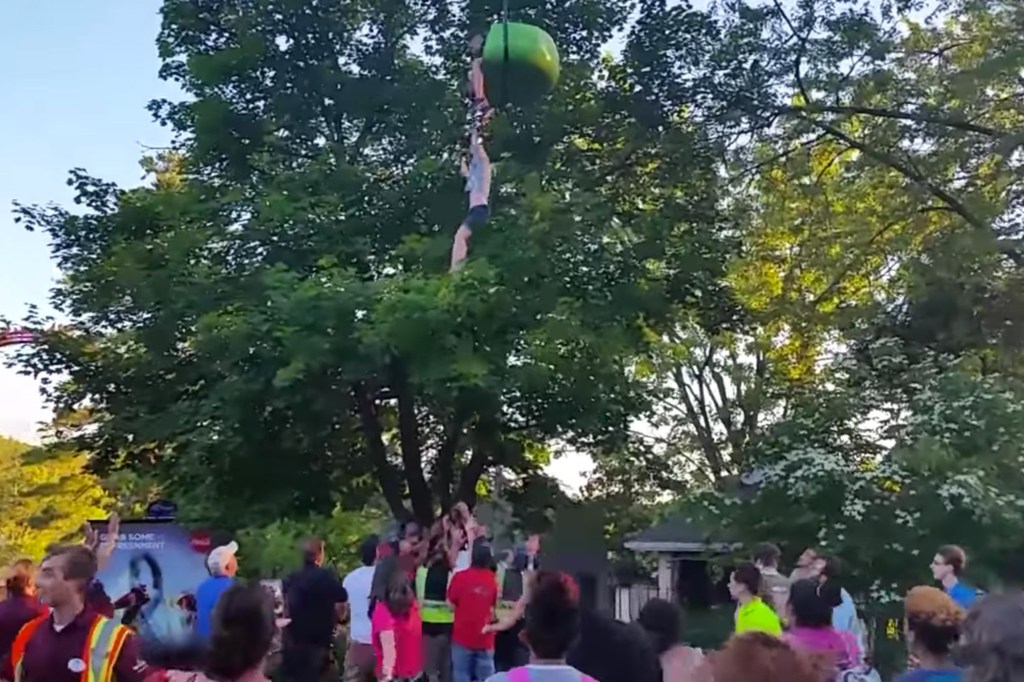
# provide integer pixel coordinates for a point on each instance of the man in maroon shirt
(72, 640)
(21, 604)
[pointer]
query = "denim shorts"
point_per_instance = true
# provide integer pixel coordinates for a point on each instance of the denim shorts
(477, 216)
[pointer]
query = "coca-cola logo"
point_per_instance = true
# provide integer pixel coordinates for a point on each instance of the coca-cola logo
(200, 541)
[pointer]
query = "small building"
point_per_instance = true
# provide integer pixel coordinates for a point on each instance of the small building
(689, 568)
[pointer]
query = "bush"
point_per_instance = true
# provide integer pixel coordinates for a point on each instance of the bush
(272, 551)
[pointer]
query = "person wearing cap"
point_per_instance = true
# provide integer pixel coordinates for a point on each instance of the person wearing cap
(223, 565)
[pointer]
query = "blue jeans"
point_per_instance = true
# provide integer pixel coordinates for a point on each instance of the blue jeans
(471, 665)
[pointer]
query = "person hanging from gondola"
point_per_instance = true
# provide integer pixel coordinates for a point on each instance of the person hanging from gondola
(478, 188)
(480, 109)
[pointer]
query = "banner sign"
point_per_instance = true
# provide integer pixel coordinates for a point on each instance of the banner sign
(168, 562)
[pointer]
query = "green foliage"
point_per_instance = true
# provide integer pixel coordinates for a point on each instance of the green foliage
(883, 473)
(46, 497)
(272, 551)
(269, 330)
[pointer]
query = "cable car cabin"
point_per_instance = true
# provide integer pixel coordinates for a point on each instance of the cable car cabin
(528, 71)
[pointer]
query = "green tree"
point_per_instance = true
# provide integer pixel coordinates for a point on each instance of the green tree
(268, 330)
(47, 496)
(273, 550)
(888, 462)
(874, 192)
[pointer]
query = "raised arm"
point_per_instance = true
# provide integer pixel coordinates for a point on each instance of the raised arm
(105, 549)
(509, 620)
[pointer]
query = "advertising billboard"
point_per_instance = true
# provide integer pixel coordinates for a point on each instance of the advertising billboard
(165, 560)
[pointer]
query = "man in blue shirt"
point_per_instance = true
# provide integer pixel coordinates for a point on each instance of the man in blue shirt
(223, 565)
(947, 566)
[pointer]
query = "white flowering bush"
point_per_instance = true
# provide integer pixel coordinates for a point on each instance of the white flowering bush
(885, 463)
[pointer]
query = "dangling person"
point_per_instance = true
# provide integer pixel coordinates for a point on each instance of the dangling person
(478, 189)
(480, 110)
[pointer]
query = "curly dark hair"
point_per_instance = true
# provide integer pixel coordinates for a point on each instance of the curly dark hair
(760, 657)
(663, 622)
(933, 618)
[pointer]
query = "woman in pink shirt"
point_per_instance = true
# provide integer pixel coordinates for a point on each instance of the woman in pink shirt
(395, 626)
(809, 612)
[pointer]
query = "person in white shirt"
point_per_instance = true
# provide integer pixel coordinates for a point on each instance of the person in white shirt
(359, 659)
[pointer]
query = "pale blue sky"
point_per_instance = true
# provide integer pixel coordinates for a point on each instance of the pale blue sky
(75, 77)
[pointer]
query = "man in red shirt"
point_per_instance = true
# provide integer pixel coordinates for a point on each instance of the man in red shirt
(473, 594)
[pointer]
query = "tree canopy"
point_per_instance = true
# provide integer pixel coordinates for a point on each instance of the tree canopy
(268, 326)
(770, 237)
(46, 497)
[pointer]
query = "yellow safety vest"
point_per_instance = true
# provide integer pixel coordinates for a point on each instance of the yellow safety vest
(102, 647)
(432, 610)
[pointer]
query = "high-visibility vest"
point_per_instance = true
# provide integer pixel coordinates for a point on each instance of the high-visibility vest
(102, 647)
(432, 610)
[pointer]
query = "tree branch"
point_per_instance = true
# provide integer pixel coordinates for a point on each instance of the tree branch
(446, 457)
(373, 437)
(776, 157)
(800, 51)
(966, 126)
(706, 439)
(914, 176)
(412, 453)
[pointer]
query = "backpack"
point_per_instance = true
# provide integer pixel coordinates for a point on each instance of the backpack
(863, 673)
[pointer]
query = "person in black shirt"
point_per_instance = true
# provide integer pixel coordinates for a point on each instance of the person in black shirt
(316, 601)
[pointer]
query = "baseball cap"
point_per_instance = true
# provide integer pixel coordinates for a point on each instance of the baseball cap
(219, 556)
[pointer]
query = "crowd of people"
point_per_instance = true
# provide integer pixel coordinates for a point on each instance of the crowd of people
(440, 605)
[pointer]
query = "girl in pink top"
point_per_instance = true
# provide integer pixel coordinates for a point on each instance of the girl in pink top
(395, 625)
(809, 612)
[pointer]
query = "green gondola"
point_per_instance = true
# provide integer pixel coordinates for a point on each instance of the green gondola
(524, 72)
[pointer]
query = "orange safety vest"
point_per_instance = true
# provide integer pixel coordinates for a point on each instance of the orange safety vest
(102, 647)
